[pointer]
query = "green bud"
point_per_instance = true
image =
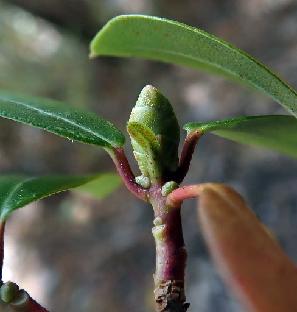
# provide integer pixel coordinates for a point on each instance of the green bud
(143, 181)
(154, 133)
(168, 187)
(8, 292)
(159, 232)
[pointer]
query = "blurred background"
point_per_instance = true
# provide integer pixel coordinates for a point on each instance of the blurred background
(72, 253)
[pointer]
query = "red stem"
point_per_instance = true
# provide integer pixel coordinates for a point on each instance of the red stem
(34, 306)
(2, 229)
(171, 255)
(186, 156)
(123, 167)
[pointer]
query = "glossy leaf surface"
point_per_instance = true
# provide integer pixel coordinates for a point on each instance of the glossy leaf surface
(169, 41)
(18, 191)
(61, 119)
(277, 132)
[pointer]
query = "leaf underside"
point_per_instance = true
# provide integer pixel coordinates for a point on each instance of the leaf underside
(169, 41)
(277, 132)
(61, 119)
(18, 191)
(100, 187)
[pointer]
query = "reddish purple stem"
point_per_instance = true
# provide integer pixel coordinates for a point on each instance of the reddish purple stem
(2, 229)
(171, 254)
(34, 306)
(186, 156)
(123, 167)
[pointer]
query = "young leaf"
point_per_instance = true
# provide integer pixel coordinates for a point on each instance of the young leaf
(247, 256)
(277, 132)
(169, 41)
(100, 187)
(146, 149)
(56, 117)
(18, 191)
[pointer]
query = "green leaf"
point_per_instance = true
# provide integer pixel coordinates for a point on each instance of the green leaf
(18, 191)
(56, 117)
(101, 187)
(146, 149)
(169, 41)
(277, 132)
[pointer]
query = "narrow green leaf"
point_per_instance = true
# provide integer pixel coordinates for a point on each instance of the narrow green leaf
(101, 187)
(169, 41)
(56, 117)
(18, 191)
(277, 132)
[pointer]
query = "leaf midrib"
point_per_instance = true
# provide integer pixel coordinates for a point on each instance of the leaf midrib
(58, 117)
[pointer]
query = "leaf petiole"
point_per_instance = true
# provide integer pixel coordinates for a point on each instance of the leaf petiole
(186, 156)
(123, 167)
